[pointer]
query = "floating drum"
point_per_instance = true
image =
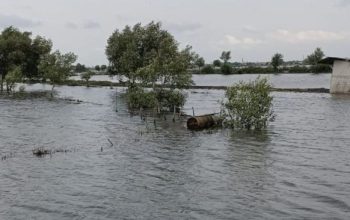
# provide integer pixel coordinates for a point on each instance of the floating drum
(203, 121)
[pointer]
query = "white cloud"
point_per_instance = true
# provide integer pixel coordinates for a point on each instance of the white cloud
(245, 41)
(306, 36)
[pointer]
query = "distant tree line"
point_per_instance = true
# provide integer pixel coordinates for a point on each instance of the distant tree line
(276, 65)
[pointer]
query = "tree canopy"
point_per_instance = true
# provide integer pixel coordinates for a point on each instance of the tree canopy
(19, 50)
(276, 61)
(150, 56)
(22, 56)
(56, 67)
(225, 56)
(314, 59)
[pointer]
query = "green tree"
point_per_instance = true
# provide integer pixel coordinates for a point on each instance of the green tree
(217, 63)
(208, 69)
(103, 67)
(248, 105)
(13, 45)
(86, 76)
(149, 55)
(276, 61)
(13, 76)
(56, 67)
(226, 69)
(39, 48)
(80, 68)
(200, 62)
(314, 59)
(97, 68)
(18, 49)
(225, 56)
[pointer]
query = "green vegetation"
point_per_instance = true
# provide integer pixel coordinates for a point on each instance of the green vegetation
(19, 50)
(216, 63)
(148, 56)
(56, 67)
(276, 61)
(277, 65)
(14, 76)
(24, 57)
(86, 77)
(208, 69)
(97, 68)
(248, 105)
(226, 69)
(80, 68)
(199, 62)
(314, 59)
(103, 67)
(225, 56)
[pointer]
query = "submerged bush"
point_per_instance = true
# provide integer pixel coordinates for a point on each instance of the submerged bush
(170, 98)
(140, 98)
(248, 105)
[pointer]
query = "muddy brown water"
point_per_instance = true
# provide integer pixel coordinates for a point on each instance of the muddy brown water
(299, 168)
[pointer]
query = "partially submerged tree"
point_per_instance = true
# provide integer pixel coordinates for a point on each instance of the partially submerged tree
(148, 56)
(276, 61)
(14, 76)
(18, 49)
(248, 105)
(86, 77)
(56, 67)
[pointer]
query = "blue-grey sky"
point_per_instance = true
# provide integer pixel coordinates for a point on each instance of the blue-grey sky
(252, 29)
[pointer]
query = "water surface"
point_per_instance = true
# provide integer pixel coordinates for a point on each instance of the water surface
(304, 80)
(299, 168)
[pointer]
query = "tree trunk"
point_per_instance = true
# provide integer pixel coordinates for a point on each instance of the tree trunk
(2, 83)
(53, 87)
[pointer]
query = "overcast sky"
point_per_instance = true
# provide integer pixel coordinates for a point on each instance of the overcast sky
(252, 29)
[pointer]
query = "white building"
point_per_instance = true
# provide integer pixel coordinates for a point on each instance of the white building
(340, 83)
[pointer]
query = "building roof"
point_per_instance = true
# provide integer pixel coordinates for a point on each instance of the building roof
(330, 60)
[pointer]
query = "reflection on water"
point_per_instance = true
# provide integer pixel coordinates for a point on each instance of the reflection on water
(298, 168)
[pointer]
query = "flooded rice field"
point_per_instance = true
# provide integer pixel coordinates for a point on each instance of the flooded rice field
(112, 165)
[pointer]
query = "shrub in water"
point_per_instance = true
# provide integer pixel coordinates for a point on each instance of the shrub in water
(248, 105)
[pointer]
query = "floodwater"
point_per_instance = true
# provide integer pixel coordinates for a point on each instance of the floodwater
(300, 80)
(117, 166)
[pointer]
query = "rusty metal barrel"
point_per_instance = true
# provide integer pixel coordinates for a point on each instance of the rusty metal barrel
(203, 121)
